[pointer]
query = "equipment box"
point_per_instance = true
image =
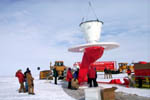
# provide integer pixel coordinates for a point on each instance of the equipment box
(108, 93)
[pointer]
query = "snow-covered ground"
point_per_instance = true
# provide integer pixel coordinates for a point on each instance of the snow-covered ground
(138, 91)
(45, 90)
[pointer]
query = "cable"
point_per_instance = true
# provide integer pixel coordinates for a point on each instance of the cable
(88, 11)
(90, 5)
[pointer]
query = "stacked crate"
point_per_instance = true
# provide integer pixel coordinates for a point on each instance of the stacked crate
(142, 74)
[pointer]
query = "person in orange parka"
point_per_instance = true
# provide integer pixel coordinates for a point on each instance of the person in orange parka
(30, 83)
(69, 78)
(92, 76)
(20, 76)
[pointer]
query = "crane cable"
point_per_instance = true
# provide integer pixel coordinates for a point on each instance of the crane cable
(93, 10)
(90, 6)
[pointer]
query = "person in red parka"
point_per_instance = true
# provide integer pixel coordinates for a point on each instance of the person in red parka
(129, 72)
(20, 76)
(92, 76)
(69, 78)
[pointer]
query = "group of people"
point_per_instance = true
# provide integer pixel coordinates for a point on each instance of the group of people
(72, 79)
(26, 79)
(107, 73)
(27, 84)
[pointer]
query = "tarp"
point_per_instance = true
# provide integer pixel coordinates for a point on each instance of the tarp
(91, 54)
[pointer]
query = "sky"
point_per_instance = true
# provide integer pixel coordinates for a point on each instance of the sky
(35, 32)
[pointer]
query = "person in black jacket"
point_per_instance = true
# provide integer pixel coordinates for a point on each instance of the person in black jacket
(109, 73)
(55, 74)
(105, 73)
(25, 77)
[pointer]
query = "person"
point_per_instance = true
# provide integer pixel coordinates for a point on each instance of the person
(69, 78)
(88, 79)
(128, 72)
(25, 77)
(131, 81)
(30, 83)
(95, 77)
(20, 76)
(55, 75)
(140, 82)
(92, 76)
(105, 73)
(75, 74)
(109, 73)
(74, 84)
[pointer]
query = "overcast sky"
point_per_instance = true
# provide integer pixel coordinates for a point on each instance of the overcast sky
(35, 32)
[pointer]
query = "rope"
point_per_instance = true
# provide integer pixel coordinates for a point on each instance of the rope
(90, 5)
(88, 11)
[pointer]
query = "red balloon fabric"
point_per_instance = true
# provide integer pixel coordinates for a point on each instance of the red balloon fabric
(115, 81)
(91, 54)
(126, 81)
(112, 81)
(118, 81)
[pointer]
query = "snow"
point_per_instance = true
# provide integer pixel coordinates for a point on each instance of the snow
(138, 91)
(47, 90)
(44, 90)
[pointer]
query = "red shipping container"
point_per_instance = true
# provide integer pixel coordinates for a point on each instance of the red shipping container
(142, 69)
(100, 65)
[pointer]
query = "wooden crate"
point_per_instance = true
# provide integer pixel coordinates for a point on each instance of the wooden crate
(108, 93)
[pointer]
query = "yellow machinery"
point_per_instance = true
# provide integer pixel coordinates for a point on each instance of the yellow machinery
(131, 67)
(60, 68)
(46, 74)
(124, 66)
